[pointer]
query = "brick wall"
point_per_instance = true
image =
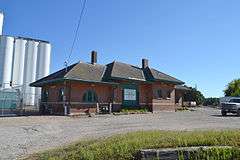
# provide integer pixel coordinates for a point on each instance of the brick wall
(74, 92)
(145, 95)
(160, 104)
(104, 95)
(107, 94)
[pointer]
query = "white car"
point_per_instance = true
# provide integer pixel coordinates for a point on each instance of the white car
(231, 105)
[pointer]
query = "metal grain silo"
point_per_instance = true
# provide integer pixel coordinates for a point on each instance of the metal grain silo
(6, 56)
(30, 67)
(18, 62)
(43, 64)
(1, 22)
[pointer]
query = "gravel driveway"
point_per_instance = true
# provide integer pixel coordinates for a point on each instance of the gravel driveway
(20, 136)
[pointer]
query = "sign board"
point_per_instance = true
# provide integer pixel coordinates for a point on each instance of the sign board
(130, 94)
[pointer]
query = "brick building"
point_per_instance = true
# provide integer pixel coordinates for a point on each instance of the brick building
(85, 87)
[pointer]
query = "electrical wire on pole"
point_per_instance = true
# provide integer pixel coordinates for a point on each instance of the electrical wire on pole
(76, 33)
(65, 104)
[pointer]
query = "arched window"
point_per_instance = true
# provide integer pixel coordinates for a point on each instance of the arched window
(159, 93)
(168, 94)
(60, 94)
(44, 95)
(90, 96)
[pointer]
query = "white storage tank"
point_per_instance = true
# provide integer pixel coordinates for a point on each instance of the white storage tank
(43, 65)
(30, 72)
(6, 56)
(1, 22)
(18, 62)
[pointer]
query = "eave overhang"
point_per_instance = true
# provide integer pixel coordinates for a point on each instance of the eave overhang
(40, 84)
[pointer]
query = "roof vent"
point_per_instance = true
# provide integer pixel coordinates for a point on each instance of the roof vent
(93, 57)
(144, 63)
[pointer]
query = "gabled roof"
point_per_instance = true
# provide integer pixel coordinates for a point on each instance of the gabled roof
(54, 76)
(86, 72)
(160, 76)
(96, 73)
(126, 71)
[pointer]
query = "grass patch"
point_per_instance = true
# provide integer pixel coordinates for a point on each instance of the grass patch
(134, 110)
(182, 109)
(215, 154)
(126, 146)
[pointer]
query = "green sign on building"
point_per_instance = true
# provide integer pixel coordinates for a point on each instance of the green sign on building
(130, 95)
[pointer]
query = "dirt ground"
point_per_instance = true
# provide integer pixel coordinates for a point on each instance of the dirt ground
(20, 136)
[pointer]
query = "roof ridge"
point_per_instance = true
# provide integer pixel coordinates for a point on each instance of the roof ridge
(105, 67)
(71, 69)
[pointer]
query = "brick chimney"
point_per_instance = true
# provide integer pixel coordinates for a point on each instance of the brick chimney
(93, 57)
(144, 63)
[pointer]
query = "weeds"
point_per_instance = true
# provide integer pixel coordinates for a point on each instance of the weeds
(126, 146)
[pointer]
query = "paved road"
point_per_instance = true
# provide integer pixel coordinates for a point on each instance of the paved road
(20, 136)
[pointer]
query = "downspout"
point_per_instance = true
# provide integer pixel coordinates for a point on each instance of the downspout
(64, 98)
(113, 98)
(69, 96)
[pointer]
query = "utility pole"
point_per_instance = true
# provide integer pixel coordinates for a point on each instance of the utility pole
(64, 98)
(64, 91)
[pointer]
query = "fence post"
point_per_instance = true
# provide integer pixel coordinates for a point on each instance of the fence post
(110, 108)
(98, 107)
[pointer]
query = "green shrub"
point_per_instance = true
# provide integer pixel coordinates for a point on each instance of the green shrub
(182, 109)
(134, 110)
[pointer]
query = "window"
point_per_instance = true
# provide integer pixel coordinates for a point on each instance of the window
(163, 94)
(45, 96)
(90, 96)
(168, 96)
(61, 94)
(159, 93)
(235, 100)
(130, 94)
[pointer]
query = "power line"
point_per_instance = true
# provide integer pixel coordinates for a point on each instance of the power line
(76, 31)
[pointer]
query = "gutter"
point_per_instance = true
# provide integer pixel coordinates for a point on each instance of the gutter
(40, 84)
(86, 81)
(172, 82)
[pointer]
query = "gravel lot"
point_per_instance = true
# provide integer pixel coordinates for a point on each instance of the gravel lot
(20, 136)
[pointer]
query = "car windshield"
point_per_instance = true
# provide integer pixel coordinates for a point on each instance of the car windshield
(235, 100)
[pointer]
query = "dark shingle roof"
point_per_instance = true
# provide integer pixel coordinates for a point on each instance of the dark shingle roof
(127, 71)
(157, 75)
(182, 87)
(54, 76)
(86, 72)
(107, 74)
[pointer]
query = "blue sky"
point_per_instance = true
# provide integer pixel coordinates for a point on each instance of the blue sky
(195, 41)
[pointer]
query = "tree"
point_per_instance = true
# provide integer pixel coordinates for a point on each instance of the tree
(233, 88)
(194, 95)
(211, 101)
